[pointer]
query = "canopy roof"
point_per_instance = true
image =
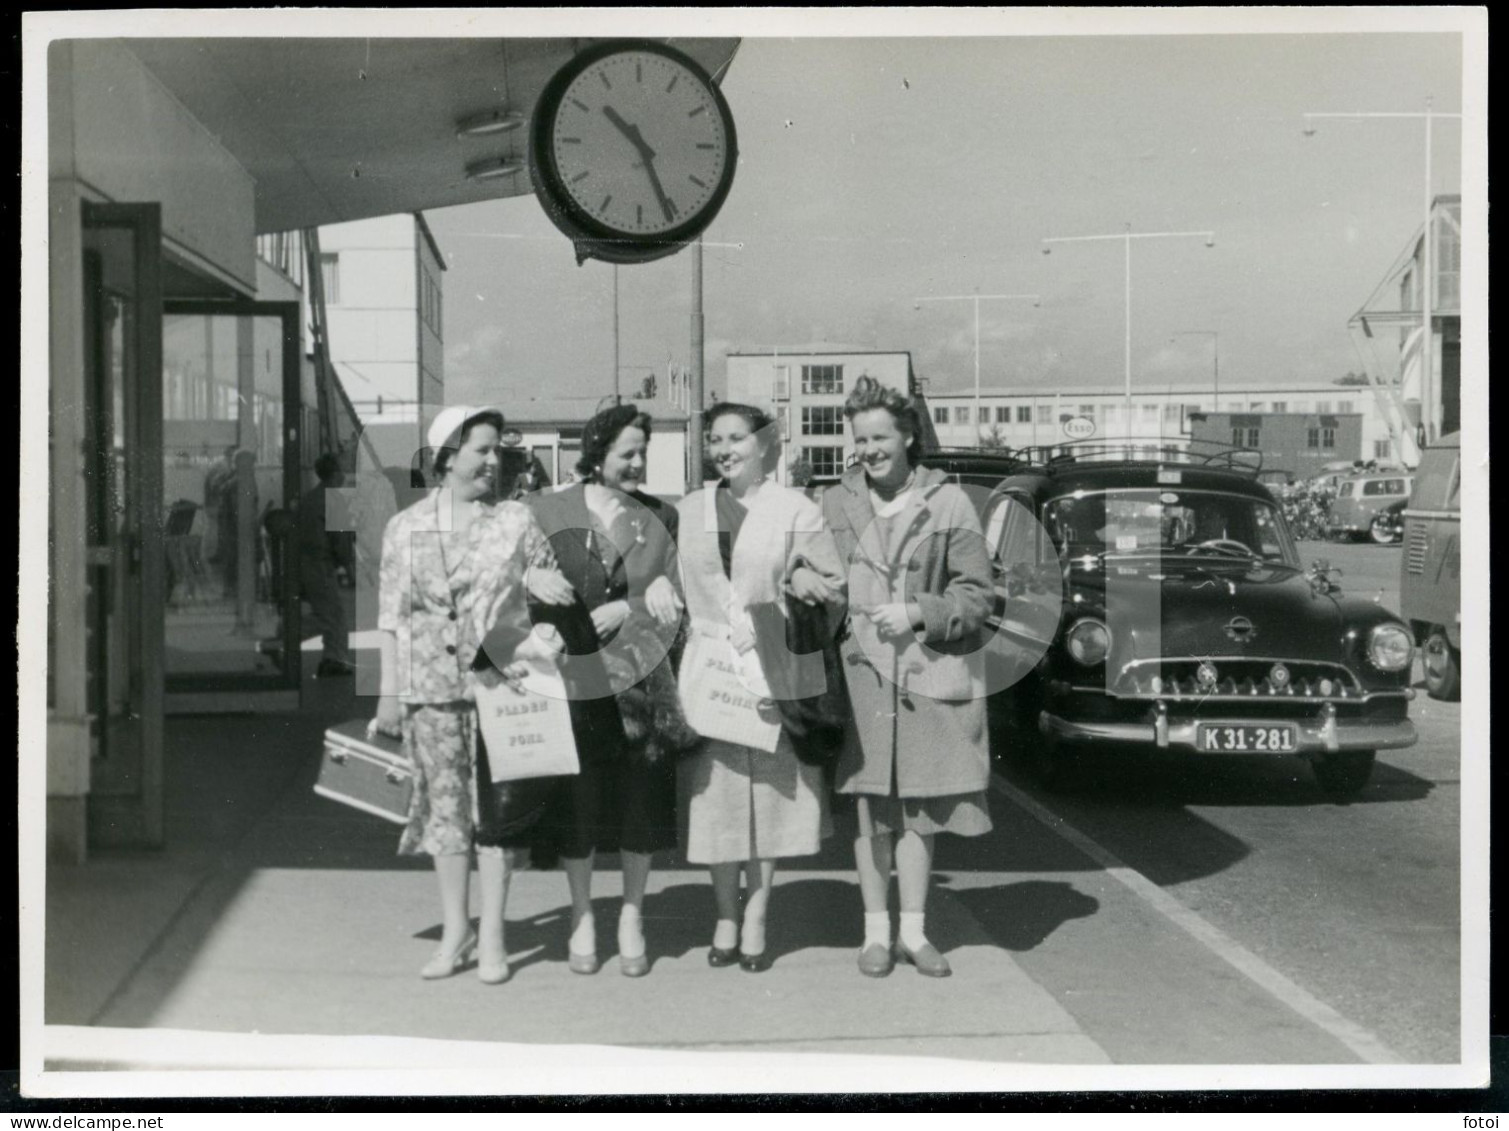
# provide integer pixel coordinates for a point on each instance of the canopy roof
(345, 129)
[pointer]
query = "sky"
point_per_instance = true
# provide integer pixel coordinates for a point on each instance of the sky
(874, 172)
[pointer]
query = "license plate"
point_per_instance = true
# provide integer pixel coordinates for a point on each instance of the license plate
(1246, 738)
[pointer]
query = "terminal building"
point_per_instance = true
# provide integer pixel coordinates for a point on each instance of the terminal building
(1166, 416)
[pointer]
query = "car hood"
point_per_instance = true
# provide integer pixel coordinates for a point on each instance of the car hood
(1181, 608)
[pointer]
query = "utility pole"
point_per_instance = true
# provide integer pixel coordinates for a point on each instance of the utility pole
(695, 394)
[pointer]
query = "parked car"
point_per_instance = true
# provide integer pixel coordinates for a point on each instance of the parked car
(1430, 587)
(1146, 605)
(1359, 497)
(1387, 527)
(973, 466)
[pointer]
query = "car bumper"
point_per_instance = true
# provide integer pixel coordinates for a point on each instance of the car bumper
(1326, 736)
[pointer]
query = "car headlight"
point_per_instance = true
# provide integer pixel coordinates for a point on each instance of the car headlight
(1390, 648)
(1088, 642)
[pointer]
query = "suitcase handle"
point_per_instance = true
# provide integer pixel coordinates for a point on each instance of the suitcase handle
(338, 757)
(394, 777)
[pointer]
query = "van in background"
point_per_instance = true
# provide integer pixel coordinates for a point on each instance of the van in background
(1430, 587)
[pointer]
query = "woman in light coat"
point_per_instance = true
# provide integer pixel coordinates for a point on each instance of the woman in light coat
(749, 549)
(919, 592)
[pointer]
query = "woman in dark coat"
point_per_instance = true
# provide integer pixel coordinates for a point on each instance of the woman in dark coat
(616, 551)
(919, 590)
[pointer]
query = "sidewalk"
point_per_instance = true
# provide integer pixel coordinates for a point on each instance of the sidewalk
(275, 911)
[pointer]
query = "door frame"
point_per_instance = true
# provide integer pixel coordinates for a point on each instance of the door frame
(203, 693)
(126, 793)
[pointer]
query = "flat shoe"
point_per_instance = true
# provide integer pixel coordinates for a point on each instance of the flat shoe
(582, 963)
(756, 963)
(443, 965)
(723, 956)
(875, 961)
(926, 958)
(636, 967)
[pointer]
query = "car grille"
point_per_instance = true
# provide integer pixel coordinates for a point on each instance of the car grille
(1415, 554)
(1238, 678)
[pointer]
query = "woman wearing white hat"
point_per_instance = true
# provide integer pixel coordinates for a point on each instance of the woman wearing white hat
(452, 561)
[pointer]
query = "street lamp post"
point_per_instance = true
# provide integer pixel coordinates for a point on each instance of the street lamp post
(1127, 237)
(1428, 407)
(1215, 338)
(976, 299)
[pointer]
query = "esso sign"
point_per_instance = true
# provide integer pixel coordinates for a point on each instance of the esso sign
(511, 438)
(1079, 428)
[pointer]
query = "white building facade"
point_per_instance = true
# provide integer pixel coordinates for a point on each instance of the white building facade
(1019, 418)
(804, 389)
(384, 300)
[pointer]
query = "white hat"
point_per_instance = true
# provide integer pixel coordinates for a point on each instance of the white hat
(450, 420)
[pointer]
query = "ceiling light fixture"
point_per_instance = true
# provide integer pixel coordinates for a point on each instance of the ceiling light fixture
(489, 122)
(492, 168)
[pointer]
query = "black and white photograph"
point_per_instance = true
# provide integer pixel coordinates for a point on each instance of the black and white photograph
(736, 552)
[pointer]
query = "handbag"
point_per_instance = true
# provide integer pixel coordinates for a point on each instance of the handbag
(723, 694)
(815, 724)
(527, 727)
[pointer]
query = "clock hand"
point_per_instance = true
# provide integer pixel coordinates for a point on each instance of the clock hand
(647, 155)
(630, 132)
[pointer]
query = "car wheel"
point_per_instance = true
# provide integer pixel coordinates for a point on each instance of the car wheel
(1380, 532)
(1343, 773)
(1443, 666)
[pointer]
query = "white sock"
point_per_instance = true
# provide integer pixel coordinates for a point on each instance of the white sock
(726, 934)
(584, 938)
(878, 929)
(630, 932)
(912, 936)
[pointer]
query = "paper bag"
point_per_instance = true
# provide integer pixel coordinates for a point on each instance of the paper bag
(528, 735)
(723, 694)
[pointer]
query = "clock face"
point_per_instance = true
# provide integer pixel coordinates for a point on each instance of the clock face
(640, 144)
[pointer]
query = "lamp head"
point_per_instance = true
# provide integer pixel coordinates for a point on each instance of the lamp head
(1210, 241)
(1047, 250)
(1309, 130)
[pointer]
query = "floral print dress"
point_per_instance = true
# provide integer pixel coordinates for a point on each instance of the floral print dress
(442, 593)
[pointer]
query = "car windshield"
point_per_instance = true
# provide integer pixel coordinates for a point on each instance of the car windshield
(1169, 524)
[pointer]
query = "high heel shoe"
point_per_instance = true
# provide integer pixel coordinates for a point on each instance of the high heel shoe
(494, 973)
(582, 963)
(632, 965)
(443, 965)
(756, 963)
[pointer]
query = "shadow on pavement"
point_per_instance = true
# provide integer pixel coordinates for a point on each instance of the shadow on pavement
(1021, 916)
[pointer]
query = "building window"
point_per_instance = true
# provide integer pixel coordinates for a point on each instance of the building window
(1045, 413)
(940, 415)
(1253, 437)
(1383, 449)
(1328, 438)
(1312, 438)
(1024, 414)
(1344, 406)
(1171, 414)
(1003, 414)
(430, 303)
(823, 420)
(1087, 410)
(783, 415)
(1236, 437)
(330, 276)
(827, 463)
(822, 378)
(1280, 406)
(1322, 406)
(961, 414)
(782, 387)
(1150, 414)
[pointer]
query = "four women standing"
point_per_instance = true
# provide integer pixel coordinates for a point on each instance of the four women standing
(765, 569)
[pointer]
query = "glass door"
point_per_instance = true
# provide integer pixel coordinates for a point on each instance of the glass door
(230, 488)
(123, 668)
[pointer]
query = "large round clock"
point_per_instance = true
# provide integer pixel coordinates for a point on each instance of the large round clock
(632, 150)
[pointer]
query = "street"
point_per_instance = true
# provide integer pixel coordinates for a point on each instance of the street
(1356, 903)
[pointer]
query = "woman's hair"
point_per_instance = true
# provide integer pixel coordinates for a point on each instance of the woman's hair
(869, 394)
(442, 456)
(767, 435)
(602, 431)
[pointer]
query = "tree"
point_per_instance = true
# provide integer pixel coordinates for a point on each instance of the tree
(992, 440)
(799, 472)
(1350, 378)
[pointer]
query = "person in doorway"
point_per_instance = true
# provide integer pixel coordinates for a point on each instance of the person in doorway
(451, 561)
(917, 757)
(754, 555)
(323, 552)
(615, 546)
